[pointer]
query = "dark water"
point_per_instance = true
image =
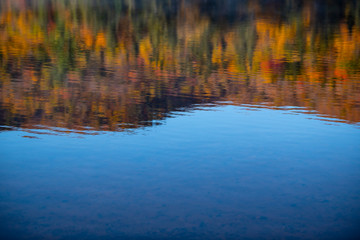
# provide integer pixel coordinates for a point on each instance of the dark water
(179, 119)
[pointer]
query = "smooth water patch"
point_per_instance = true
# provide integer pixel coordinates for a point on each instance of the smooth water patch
(226, 172)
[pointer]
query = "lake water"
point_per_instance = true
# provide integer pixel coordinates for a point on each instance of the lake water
(179, 119)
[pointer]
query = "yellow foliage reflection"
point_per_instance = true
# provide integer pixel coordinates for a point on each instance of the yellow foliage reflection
(122, 65)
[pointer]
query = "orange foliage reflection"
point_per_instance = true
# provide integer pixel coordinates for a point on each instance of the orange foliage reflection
(121, 65)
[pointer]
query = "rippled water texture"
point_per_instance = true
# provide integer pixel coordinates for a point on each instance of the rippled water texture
(179, 119)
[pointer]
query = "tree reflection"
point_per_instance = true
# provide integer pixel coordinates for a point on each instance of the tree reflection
(108, 64)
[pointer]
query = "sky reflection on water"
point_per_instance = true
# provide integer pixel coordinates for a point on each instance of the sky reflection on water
(223, 172)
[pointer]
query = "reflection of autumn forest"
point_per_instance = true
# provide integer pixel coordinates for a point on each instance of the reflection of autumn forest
(104, 63)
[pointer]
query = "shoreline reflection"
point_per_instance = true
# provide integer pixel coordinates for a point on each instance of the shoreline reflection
(117, 65)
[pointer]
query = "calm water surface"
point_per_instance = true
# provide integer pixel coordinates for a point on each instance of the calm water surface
(179, 119)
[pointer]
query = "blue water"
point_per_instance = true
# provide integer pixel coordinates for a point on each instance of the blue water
(224, 172)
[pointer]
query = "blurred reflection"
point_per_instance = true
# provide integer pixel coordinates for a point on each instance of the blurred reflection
(122, 64)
